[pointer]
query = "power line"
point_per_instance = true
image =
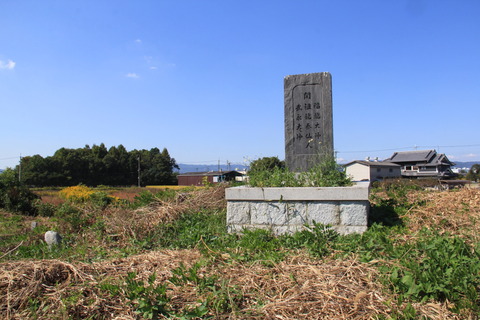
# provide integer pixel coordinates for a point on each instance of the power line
(459, 146)
(392, 149)
(9, 158)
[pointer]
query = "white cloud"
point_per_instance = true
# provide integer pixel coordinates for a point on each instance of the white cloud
(138, 41)
(9, 65)
(132, 75)
(153, 68)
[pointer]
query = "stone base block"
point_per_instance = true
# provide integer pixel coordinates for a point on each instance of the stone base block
(287, 210)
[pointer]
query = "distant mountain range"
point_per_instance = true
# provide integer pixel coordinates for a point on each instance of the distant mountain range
(210, 167)
(466, 164)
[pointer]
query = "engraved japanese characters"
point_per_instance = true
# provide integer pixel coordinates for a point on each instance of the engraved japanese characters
(308, 119)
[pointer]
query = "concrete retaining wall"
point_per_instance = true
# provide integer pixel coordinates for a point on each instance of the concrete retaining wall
(287, 210)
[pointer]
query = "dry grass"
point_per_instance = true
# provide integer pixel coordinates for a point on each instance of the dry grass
(297, 288)
(174, 187)
(456, 212)
(127, 224)
(50, 282)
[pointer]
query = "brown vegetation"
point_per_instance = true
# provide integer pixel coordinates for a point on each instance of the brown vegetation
(300, 287)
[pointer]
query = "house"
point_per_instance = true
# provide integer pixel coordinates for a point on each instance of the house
(199, 178)
(423, 164)
(363, 170)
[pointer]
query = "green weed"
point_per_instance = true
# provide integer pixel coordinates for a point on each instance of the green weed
(326, 173)
(438, 267)
(259, 245)
(182, 275)
(317, 239)
(149, 300)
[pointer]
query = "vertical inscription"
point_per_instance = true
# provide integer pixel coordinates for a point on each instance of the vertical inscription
(307, 117)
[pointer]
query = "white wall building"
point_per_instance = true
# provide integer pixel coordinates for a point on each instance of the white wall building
(360, 170)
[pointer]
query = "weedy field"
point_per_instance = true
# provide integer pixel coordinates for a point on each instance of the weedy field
(165, 254)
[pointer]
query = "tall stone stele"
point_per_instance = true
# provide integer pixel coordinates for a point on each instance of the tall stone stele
(308, 120)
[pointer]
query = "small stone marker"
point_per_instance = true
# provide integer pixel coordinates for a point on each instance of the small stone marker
(33, 225)
(52, 238)
(308, 119)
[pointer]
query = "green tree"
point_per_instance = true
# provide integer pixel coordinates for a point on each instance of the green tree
(266, 164)
(120, 167)
(34, 170)
(96, 165)
(157, 167)
(474, 173)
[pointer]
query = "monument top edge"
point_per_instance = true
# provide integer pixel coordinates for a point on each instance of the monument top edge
(326, 73)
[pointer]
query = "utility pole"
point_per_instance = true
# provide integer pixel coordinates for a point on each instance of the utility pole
(138, 171)
(20, 169)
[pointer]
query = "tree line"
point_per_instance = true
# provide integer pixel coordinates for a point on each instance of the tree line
(96, 165)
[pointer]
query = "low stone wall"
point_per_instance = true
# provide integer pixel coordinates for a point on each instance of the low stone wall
(287, 210)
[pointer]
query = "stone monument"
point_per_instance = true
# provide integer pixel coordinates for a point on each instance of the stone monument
(308, 119)
(308, 139)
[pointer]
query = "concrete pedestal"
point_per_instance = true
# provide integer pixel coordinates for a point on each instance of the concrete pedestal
(287, 210)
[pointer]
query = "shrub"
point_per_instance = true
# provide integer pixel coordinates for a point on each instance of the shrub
(44, 209)
(317, 239)
(14, 196)
(73, 216)
(101, 199)
(83, 194)
(327, 173)
(266, 164)
(144, 198)
(78, 193)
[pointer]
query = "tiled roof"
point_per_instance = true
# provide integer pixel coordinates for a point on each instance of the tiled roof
(373, 163)
(413, 156)
(422, 157)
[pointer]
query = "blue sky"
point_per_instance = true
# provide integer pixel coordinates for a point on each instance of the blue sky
(205, 78)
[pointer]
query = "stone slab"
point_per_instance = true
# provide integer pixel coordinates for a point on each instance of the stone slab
(308, 119)
(327, 213)
(357, 192)
(353, 213)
